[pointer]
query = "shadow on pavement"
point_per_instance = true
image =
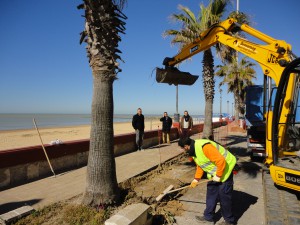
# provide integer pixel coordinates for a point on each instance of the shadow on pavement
(14, 205)
(234, 139)
(159, 146)
(239, 151)
(250, 168)
(241, 203)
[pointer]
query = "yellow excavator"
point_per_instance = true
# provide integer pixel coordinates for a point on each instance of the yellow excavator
(280, 66)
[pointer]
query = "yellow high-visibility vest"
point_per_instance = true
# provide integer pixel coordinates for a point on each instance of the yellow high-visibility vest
(209, 167)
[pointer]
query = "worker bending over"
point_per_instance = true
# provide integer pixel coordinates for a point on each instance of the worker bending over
(218, 163)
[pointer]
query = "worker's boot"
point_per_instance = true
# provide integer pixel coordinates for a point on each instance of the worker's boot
(203, 220)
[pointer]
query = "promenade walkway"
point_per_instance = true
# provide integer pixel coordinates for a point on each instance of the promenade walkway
(67, 185)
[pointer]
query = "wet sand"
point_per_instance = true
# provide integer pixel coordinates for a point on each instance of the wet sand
(24, 138)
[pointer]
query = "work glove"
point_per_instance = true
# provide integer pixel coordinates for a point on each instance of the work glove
(216, 179)
(194, 183)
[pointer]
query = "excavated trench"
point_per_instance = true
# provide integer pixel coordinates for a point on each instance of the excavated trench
(147, 187)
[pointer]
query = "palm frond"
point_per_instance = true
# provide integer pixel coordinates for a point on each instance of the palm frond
(218, 7)
(190, 15)
(120, 3)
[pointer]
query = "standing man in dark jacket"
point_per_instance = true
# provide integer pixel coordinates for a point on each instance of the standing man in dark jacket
(166, 127)
(138, 123)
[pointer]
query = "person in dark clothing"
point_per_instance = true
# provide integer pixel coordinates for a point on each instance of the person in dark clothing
(138, 124)
(166, 127)
(185, 125)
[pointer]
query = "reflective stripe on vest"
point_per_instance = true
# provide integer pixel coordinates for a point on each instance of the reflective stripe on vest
(205, 165)
(208, 166)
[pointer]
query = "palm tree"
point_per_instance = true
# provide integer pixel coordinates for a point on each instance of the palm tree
(103, 21)
(192, 27)
(237, 76)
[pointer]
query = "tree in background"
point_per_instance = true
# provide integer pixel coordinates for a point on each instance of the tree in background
(103, 23)
(237, 76)
(232, 68)
(192, 26)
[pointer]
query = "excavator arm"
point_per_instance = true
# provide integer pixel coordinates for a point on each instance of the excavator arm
(272, 57)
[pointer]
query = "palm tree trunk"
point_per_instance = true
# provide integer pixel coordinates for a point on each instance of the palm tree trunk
(236, 107)
(209, 92)
(101, 185)
(208, 125)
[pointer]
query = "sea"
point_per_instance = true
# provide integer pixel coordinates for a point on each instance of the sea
(25, 121)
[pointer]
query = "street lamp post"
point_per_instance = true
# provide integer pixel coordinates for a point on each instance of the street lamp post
(237, 12)
(176, 115)
(220, 90)
(177, 99)
(228, 107)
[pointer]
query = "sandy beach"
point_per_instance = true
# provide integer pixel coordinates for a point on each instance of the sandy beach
(24, 138)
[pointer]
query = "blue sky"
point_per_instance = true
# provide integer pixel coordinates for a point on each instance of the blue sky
(43, 69)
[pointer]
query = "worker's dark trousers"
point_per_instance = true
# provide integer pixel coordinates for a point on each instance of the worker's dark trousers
(219, 192)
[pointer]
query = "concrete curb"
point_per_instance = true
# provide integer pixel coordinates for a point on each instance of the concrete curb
(12, 216)
(135, 214)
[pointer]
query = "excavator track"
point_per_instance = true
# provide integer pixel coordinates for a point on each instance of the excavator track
(281, 206)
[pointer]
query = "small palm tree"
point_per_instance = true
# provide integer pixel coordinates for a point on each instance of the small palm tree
(103, 23)
(192, 27)
(237, 76)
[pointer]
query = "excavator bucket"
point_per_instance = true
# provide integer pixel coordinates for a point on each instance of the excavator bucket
(172, 75)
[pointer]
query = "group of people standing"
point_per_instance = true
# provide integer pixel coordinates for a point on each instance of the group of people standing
(138, 124)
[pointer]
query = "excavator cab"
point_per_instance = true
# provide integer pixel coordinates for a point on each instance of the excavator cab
(285, 137)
